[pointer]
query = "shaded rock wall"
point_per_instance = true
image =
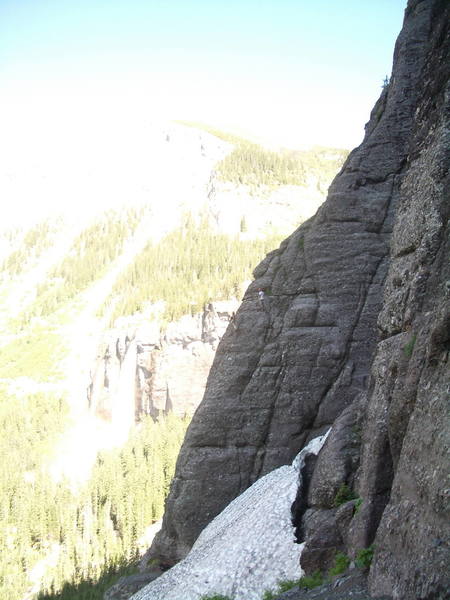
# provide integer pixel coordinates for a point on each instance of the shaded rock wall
(300, 359)
(295, 361)
(403, 418)
(411, 398)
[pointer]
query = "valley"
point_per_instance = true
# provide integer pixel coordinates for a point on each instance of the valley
(109, 325)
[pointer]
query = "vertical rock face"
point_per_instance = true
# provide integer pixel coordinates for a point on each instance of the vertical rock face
(404, 417)
(169, 370)
(299, 359)
(172, 370)
(410, 393)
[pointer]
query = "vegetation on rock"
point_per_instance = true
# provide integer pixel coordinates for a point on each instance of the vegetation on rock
(358, 504)
(364, 557)
(307, 582)
(343, 495)
(409, 346)
(311, 581)
(283, 586)
(341, 564)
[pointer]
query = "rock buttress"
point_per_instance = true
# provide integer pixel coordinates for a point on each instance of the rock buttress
(292, 363)
(410, 393)
(295, 360)
(403, 418)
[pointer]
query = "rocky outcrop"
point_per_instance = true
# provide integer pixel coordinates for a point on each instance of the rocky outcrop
(352, 586)
(300, 358)
(158, 371)
(403, 418)
(296, 360)
(409, 393)
(126, 586)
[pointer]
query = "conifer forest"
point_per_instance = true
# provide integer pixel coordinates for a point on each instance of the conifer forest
(68, 539)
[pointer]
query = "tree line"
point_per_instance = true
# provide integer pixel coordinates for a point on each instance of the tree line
(187, 268)
(92, 251)
(30, 245)
(84, 532)
(254, 165)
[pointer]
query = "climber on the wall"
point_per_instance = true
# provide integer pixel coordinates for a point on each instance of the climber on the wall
(261, 296)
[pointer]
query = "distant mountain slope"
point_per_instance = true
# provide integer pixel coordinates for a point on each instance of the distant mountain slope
(52, 270)
(253, 164)
(102, 322)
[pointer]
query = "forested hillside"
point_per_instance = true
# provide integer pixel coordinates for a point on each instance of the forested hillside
(187, 268)
(252, 164)
(51, 533)
(62, 283)
(92, 251)
(29, 246)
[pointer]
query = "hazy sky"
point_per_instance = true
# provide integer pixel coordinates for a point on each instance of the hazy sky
(76, 75)
(304, 70)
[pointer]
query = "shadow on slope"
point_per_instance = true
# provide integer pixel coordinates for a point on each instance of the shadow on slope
(90, 589)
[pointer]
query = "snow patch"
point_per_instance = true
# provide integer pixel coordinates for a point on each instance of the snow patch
(246, 549)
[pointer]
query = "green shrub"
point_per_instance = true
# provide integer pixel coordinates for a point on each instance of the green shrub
(341, 564)
(311, 581)
(288, 584)
(409, 347)
(283, 586)
(215, 597)
(343, 495)
(358, 503)
(269, 595)
(364, 557)
(356, 429)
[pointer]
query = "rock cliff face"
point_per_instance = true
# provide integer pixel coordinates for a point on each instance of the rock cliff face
(327, 346)
(154, 371)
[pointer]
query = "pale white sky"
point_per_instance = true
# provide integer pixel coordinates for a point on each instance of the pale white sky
(82, 79)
